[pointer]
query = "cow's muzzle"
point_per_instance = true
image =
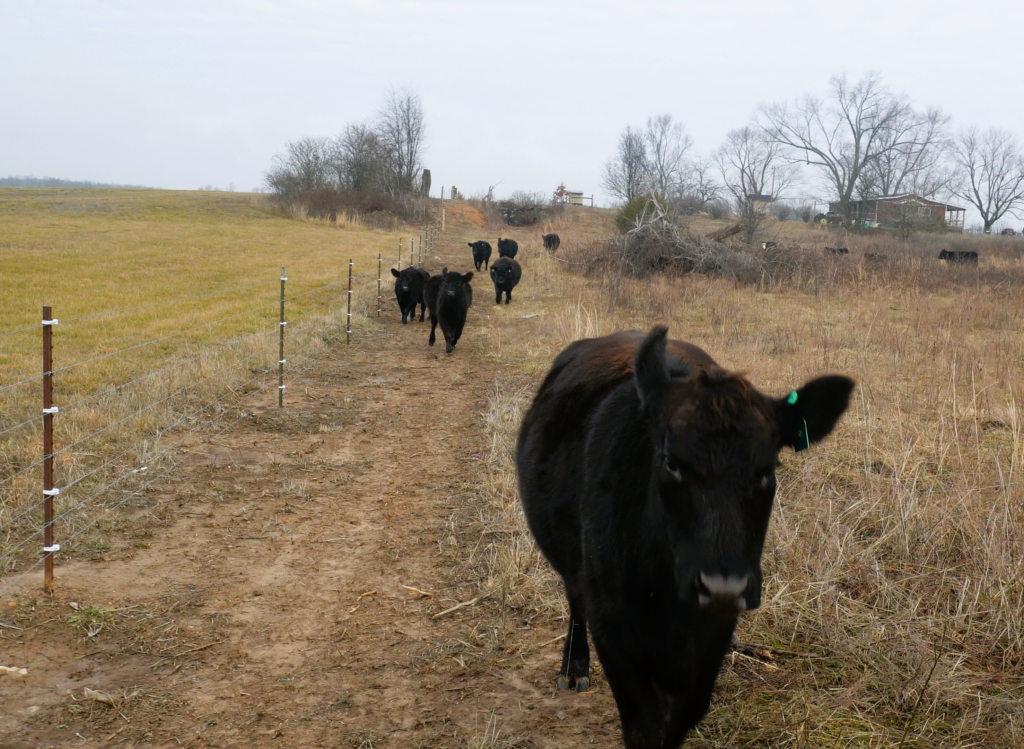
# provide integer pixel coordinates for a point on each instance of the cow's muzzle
(723, 595)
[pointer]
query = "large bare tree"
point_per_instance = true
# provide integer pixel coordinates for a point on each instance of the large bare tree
(625, 175)
(752, 167)
(667, 144)
(401, 129)
(989, 172)
(911, 157)
(843, 136)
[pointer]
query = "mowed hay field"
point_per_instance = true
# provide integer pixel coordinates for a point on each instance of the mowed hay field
(893, 611)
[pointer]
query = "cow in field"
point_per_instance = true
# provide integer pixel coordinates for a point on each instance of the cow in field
(837, 251)
(647, 475)
(507, 247)
(409, 284)
(959, 256)
(505, 273)
(449, 297)
(481, 253)
(769, 245)
(551, 242)
(875, 256)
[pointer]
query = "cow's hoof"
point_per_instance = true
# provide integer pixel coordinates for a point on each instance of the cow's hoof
(583, 684)
(563, 681)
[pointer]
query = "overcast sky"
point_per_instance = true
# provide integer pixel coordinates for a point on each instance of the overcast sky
(523, 95)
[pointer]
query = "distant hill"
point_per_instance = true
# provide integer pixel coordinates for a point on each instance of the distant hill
(54, 182)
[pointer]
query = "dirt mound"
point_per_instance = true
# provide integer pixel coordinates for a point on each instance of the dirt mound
(461, 213)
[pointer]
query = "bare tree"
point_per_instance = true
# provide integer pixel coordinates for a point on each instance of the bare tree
(753, 169)
(700, 181)
(989, 172)
(911, 157)
(667, 144)
(401, 129)
(306, 165)
(625, 175)
(843, 136)
(359, 161)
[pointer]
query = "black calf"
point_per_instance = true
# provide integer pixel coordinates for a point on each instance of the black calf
(505, 273)
(507, 247)
(959, 256)
(551, 242)
(836, 251)
(449, 297)
(481, 253)
(409, 285)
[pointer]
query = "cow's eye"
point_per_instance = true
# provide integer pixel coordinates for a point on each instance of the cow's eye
(672, 469)
(765, 478)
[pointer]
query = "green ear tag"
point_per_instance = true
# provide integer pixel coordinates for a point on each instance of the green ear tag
(791, 400)
(802, 441)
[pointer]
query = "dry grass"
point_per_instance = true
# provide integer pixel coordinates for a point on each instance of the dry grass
(893, 569)
(186, 269)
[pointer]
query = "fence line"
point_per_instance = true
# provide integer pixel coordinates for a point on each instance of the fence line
(157, 435)
(49, 453)
(11, 583)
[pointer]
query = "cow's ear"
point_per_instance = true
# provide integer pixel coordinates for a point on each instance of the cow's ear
(469, 243)
(468, 277)
(394, 273)
(650, 370)
(444, 274)
(808, 415)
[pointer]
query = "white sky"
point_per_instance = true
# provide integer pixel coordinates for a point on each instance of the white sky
(525, 94)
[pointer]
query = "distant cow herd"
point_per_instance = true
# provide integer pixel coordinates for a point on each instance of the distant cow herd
(969, 257)
(448, 296)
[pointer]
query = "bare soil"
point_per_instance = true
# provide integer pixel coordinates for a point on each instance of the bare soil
(271, 597)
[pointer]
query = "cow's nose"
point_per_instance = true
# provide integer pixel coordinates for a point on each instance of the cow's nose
(722, 595)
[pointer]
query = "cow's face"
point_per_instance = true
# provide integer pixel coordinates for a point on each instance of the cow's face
(501, 273)
(717, 441)
(452, 283)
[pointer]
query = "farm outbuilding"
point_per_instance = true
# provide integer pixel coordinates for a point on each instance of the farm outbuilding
(894, 209)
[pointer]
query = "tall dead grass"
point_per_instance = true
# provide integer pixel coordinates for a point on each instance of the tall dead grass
(894, 589)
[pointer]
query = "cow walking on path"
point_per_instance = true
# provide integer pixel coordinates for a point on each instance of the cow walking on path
(449, 297)
(647, 475)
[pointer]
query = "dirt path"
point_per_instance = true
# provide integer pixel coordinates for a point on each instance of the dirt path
(269, 607)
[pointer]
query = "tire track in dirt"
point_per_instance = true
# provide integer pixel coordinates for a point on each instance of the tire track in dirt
(269, 606)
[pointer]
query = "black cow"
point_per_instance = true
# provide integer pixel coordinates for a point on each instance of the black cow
(507, 247)
(409, 285)
(551, 242)
(481, 253)
(837, 251)
(647, 474)
(448, 296)
(876, 256)
(505, 273)
(769, 245)
(959, 256)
